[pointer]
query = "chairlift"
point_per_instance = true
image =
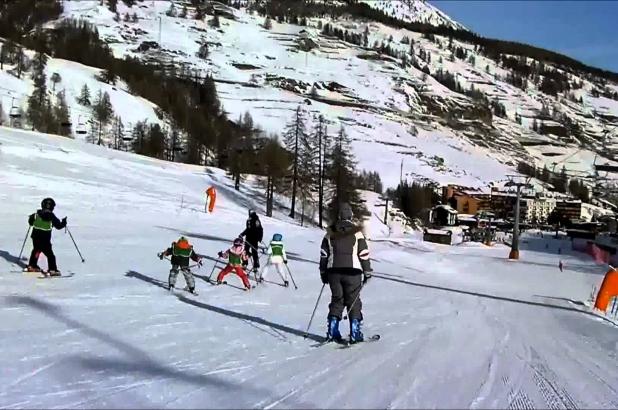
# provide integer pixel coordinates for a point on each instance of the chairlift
(81, 127)
(15, 112)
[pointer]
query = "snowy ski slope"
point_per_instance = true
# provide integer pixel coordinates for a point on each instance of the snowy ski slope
(461, 326)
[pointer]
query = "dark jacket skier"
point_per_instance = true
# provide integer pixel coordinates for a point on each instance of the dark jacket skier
(253, 234)
(181, 252)
(345, 267)
(42, 223)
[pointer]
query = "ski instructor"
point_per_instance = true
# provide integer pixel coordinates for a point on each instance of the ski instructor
(345, 267)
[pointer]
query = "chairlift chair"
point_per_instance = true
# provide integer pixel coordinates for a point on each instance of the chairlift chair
(15, 113)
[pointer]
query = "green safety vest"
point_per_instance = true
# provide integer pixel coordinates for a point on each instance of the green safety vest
(41, 224)
(183, 253)
(234, 259)
(277, 248)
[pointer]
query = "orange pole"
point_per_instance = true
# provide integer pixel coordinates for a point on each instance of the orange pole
(609, 289)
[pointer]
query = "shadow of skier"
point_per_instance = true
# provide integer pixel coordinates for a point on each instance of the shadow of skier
(226, 312)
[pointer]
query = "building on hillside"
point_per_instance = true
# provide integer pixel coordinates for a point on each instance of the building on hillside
(570, 208)
(461, 199)
(443, 215)
(536, 209)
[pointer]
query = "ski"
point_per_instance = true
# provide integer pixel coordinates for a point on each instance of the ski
(46, 276)
(177, 290)
(233, 286)
(327, 341)
(372, 338)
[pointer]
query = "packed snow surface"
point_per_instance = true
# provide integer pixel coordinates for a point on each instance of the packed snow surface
(461, 326)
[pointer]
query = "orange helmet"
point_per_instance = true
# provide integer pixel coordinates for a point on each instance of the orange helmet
(183, 243)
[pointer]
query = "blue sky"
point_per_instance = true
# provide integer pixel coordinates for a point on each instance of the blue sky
(586, 30)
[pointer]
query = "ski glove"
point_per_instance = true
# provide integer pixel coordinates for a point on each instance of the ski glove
(366, 277)
(285, 261)
(220, 254)
(200, 263)
(64, 221)
(160, 255)
(324, 278)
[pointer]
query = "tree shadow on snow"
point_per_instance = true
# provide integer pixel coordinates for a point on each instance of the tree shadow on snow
(13, 259)
(206, 237)
(137, 360)
(494, 297)
(226, 312)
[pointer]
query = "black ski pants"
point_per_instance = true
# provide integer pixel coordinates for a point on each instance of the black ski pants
(251, 249)
(42, 246)
(345, 289)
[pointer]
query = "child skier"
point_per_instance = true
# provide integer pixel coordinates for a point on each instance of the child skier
(236, 256)
(42, 223)
(181, 251)
(277, 257)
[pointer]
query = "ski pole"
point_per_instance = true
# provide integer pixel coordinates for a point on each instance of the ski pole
(291, 277)
(71, 235)
(345, 317)
(23, 244)
(213, 269)
(317, 302)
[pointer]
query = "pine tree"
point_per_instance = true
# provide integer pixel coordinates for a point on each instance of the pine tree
(37, 102)
(112, 5)
(183, 12)
(155, 141)
(214, 22)
(199, 13)
(102, 111)
(341, 175)
(293, 136)
(203, 51)
(61, 114)
(171, 12)
(321, 137)
(139, 138)
(118, 132)
(275, 162)
(55, 79)
(84, 96)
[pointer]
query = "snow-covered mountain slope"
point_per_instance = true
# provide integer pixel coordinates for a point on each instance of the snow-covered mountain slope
(414, 11)
(14, 92)
(460, 326)
(395, 112)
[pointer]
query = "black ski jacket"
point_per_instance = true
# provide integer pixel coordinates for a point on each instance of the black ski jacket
(46, 215)
(254, 231)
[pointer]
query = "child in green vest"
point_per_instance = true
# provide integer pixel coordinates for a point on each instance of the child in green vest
(236, 257)
(181, 252)
(277, 257)
(42, 223)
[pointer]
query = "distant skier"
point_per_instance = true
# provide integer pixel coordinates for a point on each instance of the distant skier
(277, 258)
(253, 234)
(560, 265)
(236, 258)
(42, 223)
(181, 252)
(345, 266)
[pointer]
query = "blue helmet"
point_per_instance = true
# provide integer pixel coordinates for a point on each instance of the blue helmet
(277, 237)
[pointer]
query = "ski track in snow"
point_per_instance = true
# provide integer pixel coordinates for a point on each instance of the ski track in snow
(457, 324)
